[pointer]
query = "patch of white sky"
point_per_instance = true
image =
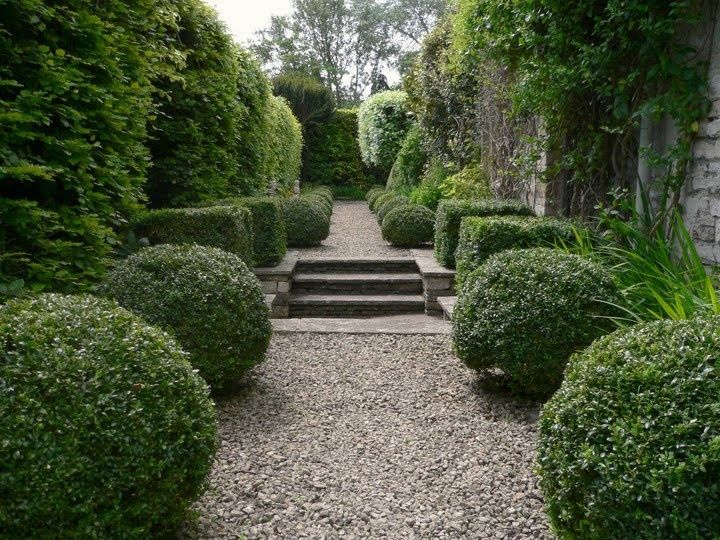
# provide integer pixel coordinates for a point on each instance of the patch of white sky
(246, 17)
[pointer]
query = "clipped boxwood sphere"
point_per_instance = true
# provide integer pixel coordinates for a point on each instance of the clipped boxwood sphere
(207, 297)
(307, 223)
(372, 197)
(374, 192)
(629, 446)
(382, 199)
(390, 205)
(106, 431)
(526, 311)
(408, 225)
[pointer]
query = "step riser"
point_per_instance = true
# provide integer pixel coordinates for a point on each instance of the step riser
(354, 267)
(352, 311)
(358, 288)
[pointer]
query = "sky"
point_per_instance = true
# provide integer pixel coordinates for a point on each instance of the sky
(245, 17)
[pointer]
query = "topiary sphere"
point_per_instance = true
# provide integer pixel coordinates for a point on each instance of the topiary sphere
(629, 446)
(409, 225)
(207, 297)
(382, 199)
(526, 311)
(307, 223)
(390, 205)
(106, 430)
(321, 202)
(373, 196)
(373, 192)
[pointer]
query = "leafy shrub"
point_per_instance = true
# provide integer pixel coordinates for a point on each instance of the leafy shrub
(628, 446)
(374, 196)
(225, 227)
(351, 193)
(374, 192)
(384, 208)
(106, 429)
(322, 197)
(307, 223)
(205, 296)
(408, 225)
(284, 144)
(526, 311)
(383, 123)
(332, 153)
(312, 102)
(382, 199)
(268, 227)
(470, 183)
(76, 96)
(449, 214)
(194, 147)
(408, 168)
(427, 195)
(481, 237)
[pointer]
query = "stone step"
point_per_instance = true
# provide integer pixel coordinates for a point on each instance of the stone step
(316, 305)
(391, 265)
(447, 303)
(338, 283)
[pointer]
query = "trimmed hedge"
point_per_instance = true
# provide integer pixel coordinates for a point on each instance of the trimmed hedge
(408, 225)
(307, 223)
(629, 446)
(526, 311)
(311, 101)
(450, 213)
(194, 144)
(481, 237)
(268, 227)
(284, 146)
(408, 168)
(106, 430)
(207, 297)
(373, 197)
(374, 192)
(382, 199)
(225, 227)
(383, 123)
(388, 205)
(332, 153)
(76, 97)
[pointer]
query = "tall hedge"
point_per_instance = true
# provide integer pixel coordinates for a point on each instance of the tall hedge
(75, 89)
(194, 136)
(383, 122)
(284, 141)
(408, 168)
(311, 101)
(332, 153)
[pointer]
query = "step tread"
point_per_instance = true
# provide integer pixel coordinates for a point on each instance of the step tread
(341, 277)
(356, 299)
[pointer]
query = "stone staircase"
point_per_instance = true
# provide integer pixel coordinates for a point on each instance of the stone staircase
(356, 288)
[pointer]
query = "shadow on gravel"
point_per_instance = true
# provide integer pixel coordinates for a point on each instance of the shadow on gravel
(493, 389)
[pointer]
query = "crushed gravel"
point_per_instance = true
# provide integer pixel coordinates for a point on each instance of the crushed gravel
(354, 232)
(371, 436)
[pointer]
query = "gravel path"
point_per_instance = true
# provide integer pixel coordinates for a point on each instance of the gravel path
(377, 436)
(354, 232)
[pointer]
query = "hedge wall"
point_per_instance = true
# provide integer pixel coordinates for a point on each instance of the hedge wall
(332, 153)
(75, 88)
(284, 143)
(383, 122)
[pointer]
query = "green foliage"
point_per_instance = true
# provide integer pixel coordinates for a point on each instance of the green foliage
(374, 195)
(481, 237)
(352, 193)
(207, 298)
(590, 70)
(426, 194)
(225, 227)
(284, 146)
(106, 429)
(470, 183)
(307, 223)
(630, 444)
(410, 162)
(332, 153)
(311, 101)
(194, 147)
(450, 213)
(388, 205)
(268, 227)
(381, 199)
(527, 311)
(408, 225)
(75, 96)
(383, 123)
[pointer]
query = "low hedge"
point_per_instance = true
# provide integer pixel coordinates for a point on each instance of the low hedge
(307, 223)
(106, 429)
(629, 446)
(374, 192)
(408, 225)
(382, 199)
(481, 237)
(207, 297)
(225, 227)
(388, 205)
(526, 311)
(450, 213)
(373, 197)
(268, 224)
